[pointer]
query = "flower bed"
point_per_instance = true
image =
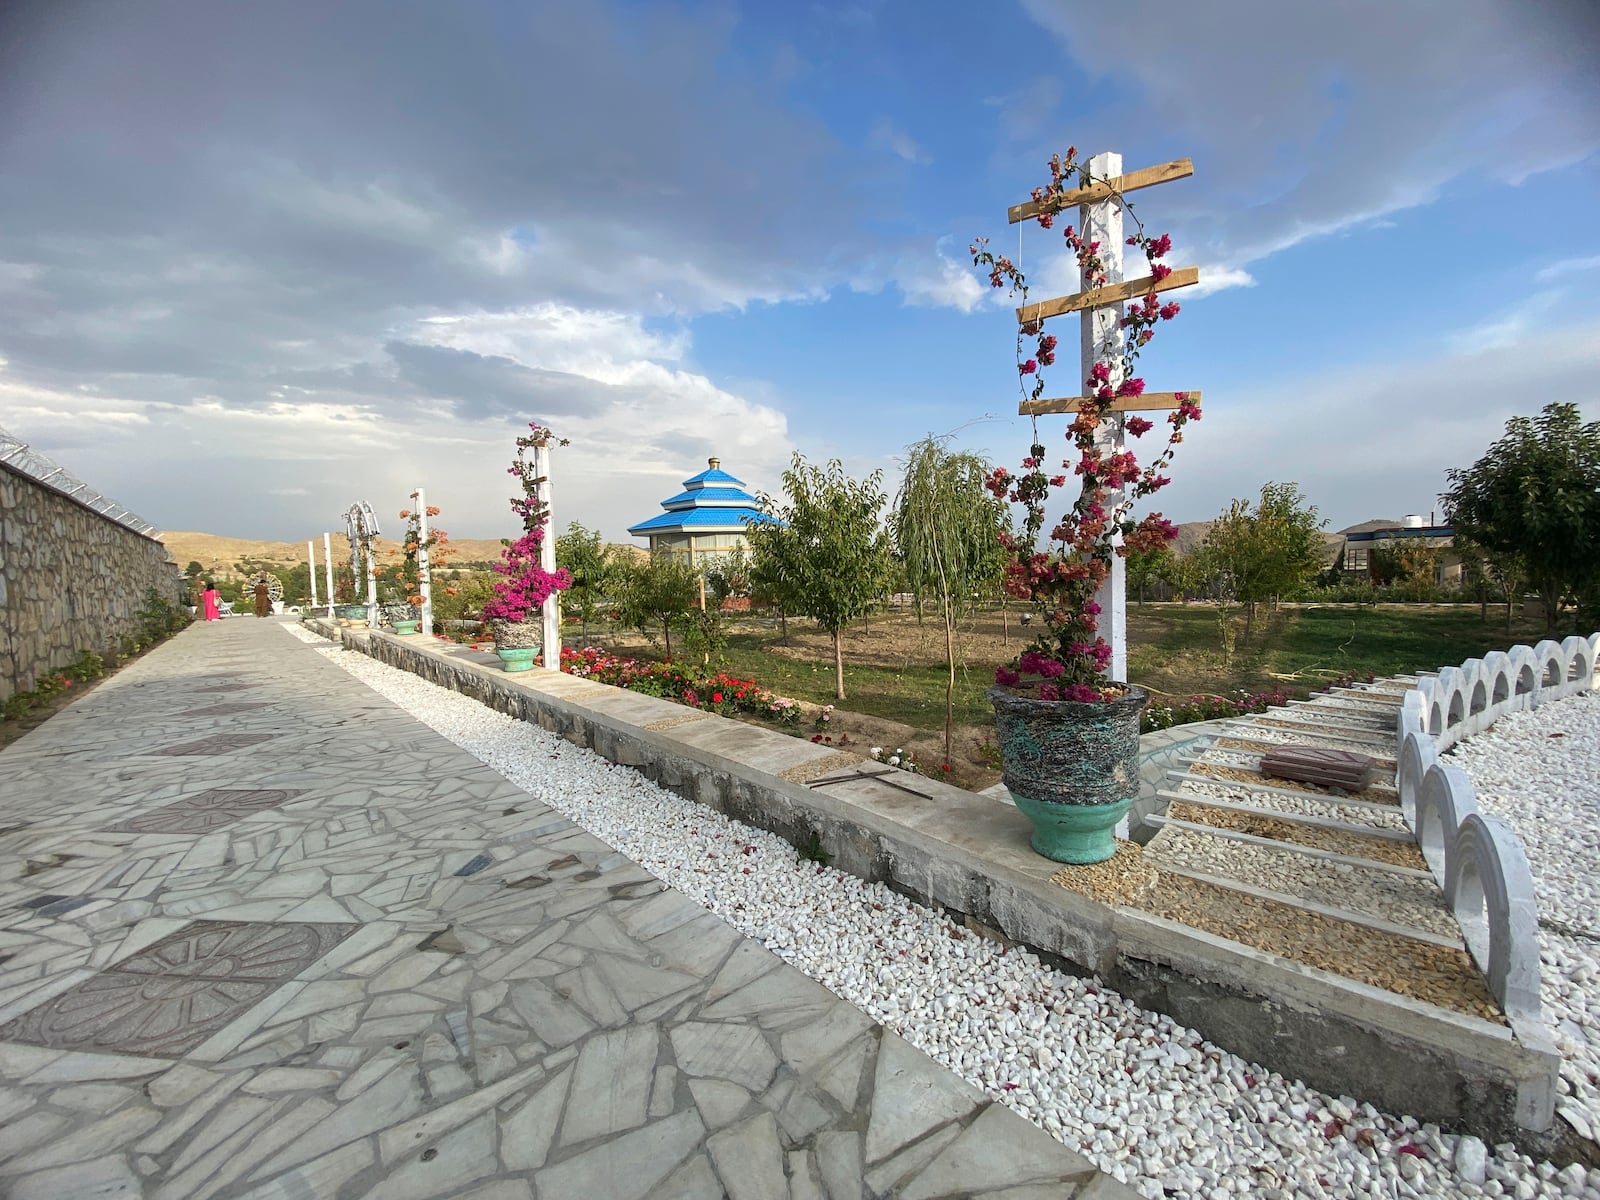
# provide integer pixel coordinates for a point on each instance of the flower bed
(716, 692)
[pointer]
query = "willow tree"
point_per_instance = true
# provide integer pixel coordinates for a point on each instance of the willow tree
(946, 529)
(826, 547)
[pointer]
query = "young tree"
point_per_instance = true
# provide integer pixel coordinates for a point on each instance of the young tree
(659, 591)
(1536, 496)
(1148, 565)
(830, 555)
(1262, 554)
(582, 552)
(946, 530)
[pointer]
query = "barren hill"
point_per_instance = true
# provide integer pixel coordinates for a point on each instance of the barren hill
(217, 553)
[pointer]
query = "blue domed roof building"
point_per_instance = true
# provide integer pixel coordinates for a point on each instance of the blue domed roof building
(707, 518)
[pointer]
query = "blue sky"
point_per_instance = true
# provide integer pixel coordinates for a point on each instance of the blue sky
(257, 262)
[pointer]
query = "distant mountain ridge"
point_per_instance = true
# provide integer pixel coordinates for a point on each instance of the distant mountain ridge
(216, 552)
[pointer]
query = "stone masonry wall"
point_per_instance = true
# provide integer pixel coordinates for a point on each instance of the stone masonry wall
(70, 580)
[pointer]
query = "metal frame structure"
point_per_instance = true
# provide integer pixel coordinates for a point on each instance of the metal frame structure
(25, 460)
(361, 526)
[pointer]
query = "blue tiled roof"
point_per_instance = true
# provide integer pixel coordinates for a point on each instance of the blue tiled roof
(712, 501)
(714, 475)
(711, 495)
(703, 519)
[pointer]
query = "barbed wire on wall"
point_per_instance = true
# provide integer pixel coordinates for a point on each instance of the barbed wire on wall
(25, 460)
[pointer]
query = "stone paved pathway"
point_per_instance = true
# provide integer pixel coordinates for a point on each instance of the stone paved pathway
(263, 935)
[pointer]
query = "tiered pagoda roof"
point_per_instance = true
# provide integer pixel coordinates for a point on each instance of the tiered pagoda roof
(711, 502)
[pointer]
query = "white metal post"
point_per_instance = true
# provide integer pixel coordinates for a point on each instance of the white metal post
(327, 565)
(424, 579)
(372, 578)
(311, 558)
(547, 560)
(1102, 340)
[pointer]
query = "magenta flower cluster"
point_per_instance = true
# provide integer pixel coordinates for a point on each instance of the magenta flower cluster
(524, 585)
(1060, 574)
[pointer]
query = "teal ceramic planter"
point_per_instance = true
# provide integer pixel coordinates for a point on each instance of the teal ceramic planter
(1071, 767)
(518, 660)
(1073, 833)
(405, 627)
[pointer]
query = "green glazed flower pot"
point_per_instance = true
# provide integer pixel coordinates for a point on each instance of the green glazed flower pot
(405, 627)
(519, 659)
(1071, 767)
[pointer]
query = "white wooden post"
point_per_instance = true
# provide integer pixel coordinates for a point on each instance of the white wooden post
(424, 579)
(327, 566)
(311, 557)
(547, 560)
(1102, 340)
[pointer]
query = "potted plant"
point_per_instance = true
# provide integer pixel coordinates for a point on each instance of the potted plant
(512, 613)
(412, 544)
(1068, 736)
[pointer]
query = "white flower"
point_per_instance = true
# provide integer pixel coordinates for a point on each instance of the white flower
(877, 750)
(894, 760)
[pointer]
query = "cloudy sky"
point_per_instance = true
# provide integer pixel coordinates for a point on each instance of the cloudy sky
(261, 260)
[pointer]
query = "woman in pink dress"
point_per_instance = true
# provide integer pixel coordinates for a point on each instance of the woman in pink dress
(209, 598)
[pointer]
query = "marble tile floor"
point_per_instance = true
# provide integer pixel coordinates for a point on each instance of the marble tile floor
(300, 946)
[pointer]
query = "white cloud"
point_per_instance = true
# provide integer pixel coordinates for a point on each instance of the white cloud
(1567, 266)
(1215, 279)
(887, 136)
(941, 282)
(1324, 117)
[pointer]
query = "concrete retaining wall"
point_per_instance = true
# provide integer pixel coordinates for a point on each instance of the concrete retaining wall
(70, 580)
(969, 855)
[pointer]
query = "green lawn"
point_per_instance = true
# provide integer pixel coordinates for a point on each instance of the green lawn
(894, 671)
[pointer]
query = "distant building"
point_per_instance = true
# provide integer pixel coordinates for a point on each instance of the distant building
(706, 519)
(1361, 541)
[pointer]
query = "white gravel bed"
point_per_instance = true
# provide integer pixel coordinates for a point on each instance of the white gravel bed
(1313, 804)
(1402, 899)
(1278, 735)
(1149, 1101)
(1540, 771)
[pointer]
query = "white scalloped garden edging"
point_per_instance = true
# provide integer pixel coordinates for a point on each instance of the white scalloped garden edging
(1479, 860)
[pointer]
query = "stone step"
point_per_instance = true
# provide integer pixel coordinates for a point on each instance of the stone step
(1294, 847)
(1396, 833)
(1292, 793)
(1365, 920)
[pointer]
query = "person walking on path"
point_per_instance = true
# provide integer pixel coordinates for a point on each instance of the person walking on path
(210, 600)
(263, 597)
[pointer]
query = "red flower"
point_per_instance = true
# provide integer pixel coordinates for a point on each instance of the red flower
(716, 697)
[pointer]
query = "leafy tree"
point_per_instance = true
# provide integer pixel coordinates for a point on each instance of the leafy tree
(194, 568)
(946, 526)
(659, 591)
(1146, 566)
(589, 560)
(830, 558)
(1264, 553)
(1536, 496)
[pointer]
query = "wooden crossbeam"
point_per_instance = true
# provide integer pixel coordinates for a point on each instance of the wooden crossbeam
(1178, 168)
(1149, 402)
(1115, 293)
